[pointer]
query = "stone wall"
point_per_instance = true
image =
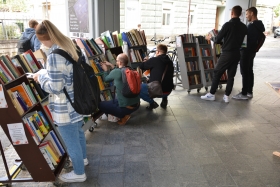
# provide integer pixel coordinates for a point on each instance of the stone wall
(8, 47)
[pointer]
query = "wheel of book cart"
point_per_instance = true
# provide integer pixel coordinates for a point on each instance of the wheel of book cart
(198, 90)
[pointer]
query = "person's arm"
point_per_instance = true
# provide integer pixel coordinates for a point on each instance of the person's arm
(218, 39)
(53, 81)
(37, 44)
(107, 75)
(147, 64)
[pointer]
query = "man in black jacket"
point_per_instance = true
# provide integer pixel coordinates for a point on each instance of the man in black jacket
(255, 28)
(232, 34)
(157, 66)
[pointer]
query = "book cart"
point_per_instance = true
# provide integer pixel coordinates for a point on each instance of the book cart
(191, 68)
(206, 58)
(34, 160)
(216, 50)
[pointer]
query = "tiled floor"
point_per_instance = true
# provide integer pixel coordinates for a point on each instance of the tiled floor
(194, 143)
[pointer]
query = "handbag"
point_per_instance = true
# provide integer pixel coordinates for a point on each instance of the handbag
(154, 88)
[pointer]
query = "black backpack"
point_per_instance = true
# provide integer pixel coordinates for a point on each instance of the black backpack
(261, 39)
(86, 89)
(24, 44)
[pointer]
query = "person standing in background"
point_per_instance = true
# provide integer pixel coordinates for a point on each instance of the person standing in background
(232, 34)
(255, 28)
(30, 33)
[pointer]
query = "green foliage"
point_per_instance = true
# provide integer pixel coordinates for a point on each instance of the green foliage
(13, 32)
(277, 10)
(14, 5)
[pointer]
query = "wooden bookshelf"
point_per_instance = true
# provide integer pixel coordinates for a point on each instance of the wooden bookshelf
(30, 154)
(190, 65)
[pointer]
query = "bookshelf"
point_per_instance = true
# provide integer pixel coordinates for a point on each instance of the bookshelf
(206, 58)
(30, 154)
(216, 51)
(190, 64)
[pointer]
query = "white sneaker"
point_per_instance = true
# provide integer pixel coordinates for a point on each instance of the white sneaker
(103, 117)
(72, 177)
(250, 95)
(208, 96)
(225, 98)
(71, 164)
(240, 96)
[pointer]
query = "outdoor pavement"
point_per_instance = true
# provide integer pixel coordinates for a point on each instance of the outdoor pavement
(193, 143)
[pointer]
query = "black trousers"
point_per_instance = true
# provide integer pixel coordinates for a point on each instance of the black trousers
(246, 69)
(227, 61)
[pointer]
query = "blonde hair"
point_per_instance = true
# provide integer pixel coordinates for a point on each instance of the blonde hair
(48, 31)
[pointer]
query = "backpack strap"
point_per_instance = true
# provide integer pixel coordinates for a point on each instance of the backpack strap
(70, 59)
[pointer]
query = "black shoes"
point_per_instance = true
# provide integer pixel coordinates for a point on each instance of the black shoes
(152, 106)
(163, 103)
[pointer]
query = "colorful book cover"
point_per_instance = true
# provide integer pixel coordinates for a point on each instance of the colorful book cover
(40, 124)
(10, 66)
(31, 62)
(6, 70)
(23, 93)
(43, 118)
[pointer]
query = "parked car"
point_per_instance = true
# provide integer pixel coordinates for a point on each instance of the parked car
(276, 32)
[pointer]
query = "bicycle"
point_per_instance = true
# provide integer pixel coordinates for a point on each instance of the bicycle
(151, 53)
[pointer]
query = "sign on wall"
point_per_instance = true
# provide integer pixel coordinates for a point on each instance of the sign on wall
(78, 18)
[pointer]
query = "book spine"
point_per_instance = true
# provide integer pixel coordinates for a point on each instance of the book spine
(47, 158)
(21, 102)
(35, 126)
(49, 155)
(49, 149)
(35, 91)
(41, 115)
(29, 94)
(31, 131)
(61, 149)
(40, 124)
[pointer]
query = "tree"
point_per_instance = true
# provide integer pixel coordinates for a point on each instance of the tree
(14, 5)
(277, 10)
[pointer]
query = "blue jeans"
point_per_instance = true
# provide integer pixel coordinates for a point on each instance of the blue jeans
(75, 141)
(112, 107)
(144, 94)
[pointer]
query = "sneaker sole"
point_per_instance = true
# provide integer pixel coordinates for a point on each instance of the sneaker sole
(73, 180)
(240, 98)
(208, 99)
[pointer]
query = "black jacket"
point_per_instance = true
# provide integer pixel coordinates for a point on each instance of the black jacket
(255, 28)
(157, 66)
(232, 34)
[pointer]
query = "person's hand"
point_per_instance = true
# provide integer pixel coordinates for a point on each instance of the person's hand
(146, 58)
(208, 37)
(104, 66)
(35, 77)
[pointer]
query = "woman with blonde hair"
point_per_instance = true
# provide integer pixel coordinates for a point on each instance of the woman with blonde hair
(59, 75)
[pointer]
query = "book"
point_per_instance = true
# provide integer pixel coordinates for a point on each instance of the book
(35, 127)
(22, 59)
(44, 119)
(32, 133)
(39, 66)
(10, 66)
(15, 102)
(47, 158)
(40, 54)
(30, 62)
(6, 70)
(56, 140)
(53, 144)
(23, 93)
(20, 100)
(50, 150)
(37, 88)
(106, 36)
(29, 92)
(33, 116)
(54, 163)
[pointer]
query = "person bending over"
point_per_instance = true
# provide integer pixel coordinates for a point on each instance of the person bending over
(157, 66)
(121, 107)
